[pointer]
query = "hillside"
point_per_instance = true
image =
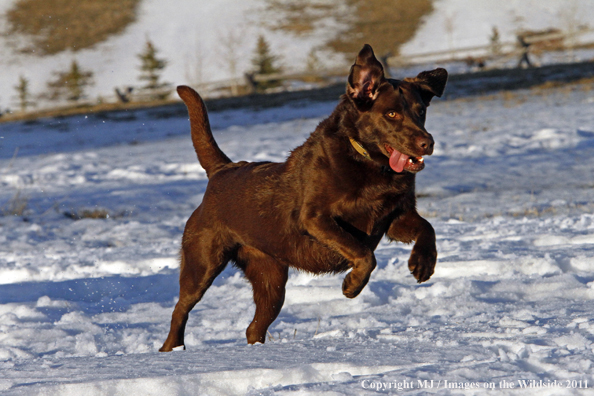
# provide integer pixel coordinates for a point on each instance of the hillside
(197, 37)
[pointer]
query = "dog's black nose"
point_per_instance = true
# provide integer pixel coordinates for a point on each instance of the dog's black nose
(426, 143)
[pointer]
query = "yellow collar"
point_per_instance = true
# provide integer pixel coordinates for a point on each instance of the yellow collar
(357, 146)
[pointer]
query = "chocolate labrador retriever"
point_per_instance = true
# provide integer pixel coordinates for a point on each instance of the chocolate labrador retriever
(325, 209)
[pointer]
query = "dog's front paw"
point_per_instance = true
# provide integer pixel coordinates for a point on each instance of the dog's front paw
(422, 262)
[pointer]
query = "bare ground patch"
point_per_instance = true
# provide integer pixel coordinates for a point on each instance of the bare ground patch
(53, 26)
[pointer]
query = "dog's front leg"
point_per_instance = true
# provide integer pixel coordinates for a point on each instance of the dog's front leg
(411, 227)
(325, 229)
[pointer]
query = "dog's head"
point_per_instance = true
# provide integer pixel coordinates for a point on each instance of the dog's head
(391, 113)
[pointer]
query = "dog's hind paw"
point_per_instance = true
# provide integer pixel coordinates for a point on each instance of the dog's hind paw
(165, 348)
(351, 288)
(356, 280)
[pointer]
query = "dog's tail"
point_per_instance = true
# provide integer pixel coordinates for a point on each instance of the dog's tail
(209, 154)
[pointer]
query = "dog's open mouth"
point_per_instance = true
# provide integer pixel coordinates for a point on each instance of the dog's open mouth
(401, 162)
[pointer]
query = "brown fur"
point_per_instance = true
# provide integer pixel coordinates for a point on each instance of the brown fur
(324, 210)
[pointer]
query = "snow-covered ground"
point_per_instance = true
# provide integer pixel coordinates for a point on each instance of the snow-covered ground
(85, 304)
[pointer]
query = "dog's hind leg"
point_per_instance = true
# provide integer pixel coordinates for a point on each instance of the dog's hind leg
(202, 260)
(268, 278)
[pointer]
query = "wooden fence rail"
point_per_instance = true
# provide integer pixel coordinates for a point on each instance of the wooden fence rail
(483, 56)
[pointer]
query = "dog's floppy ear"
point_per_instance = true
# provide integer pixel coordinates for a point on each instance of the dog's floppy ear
(366, 76)
(432, 83)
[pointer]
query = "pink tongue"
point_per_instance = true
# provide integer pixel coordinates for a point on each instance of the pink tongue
(397, 161)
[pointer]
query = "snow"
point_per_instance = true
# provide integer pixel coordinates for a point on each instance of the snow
(85, 304)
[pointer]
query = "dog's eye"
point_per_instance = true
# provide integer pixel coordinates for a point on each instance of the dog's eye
(393, 115)
(421, 113)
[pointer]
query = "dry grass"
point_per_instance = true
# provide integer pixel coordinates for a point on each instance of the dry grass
(584, 84)
(385, 24)
(16, 206)
(298, 17)
(58, 25)
(73, 110)
(88, 214)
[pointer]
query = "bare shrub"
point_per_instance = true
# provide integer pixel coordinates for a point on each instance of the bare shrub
(230, 53)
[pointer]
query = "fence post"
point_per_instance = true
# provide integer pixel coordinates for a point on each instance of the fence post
(250, 83)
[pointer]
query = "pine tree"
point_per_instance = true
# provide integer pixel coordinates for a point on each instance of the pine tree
(23, 94)
(150, 71)
(71, 84)
(265, 63)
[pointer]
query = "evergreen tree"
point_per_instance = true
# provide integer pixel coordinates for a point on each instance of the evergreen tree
(23, 94)
(265, 63)
(150, 71)
(71, 84)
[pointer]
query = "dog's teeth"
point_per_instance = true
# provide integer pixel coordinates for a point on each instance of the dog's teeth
(421, 159)
(410, 160)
